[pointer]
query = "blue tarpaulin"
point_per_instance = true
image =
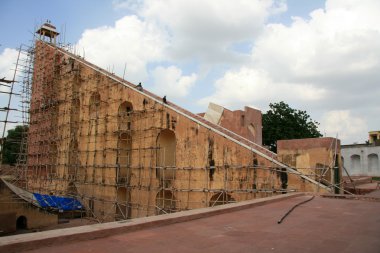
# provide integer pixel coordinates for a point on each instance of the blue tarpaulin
(61, 203)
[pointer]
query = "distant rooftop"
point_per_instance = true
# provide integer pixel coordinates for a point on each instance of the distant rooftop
(48, 30)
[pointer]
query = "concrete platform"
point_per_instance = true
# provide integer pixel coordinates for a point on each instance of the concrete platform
(321, 225)
(364, 189)
(375, 194)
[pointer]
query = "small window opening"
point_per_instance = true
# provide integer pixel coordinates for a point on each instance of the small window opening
(21, 222)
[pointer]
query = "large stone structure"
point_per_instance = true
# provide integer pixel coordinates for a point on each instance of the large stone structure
(124, 152)
(247, 123)
(318, 158)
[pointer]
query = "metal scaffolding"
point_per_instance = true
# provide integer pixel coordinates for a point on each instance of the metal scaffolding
(115, 164)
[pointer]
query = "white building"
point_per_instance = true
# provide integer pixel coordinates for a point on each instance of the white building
(361, 159)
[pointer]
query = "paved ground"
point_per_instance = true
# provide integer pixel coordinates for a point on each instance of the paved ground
(321, 225)
(375, 194)
(370, 186)
(363, 185)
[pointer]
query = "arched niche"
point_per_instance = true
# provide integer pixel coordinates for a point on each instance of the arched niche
(124, 159)
(355, 163)
(22, 222)
(125, 116)
(166, 155)
(373, 163)
(166, 142)
(221, 198)
(165, 202)
(123, 206)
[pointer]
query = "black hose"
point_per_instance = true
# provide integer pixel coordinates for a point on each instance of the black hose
(294, 207)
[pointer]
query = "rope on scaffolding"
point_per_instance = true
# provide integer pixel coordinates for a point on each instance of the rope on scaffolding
(294, 207)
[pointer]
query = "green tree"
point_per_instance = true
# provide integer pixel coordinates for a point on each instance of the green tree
(11, 145)
(281, 122)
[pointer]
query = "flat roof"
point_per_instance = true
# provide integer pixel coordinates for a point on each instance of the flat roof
(360, 145)
(320, 225)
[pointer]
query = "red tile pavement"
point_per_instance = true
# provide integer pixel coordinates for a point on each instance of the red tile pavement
(321, 225)
(375, 194)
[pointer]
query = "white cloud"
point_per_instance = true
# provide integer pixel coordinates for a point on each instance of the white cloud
(130, 41)
(255, 86)
(170, 81)
(205, 29)
(338, 42)
(329, 62)
(348, 127)
(127, 4)
(176, 30)
(8, 59)
(171, 30)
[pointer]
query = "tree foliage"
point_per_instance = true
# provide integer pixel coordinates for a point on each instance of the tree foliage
(11, 145)
(281, 122)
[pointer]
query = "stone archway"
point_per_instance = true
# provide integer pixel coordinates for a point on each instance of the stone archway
(21, 222)
(166, 141)
(124, 116)
(221, 198)
(165, 202)
(166, 155)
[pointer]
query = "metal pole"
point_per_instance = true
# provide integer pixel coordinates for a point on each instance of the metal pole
(9, 103)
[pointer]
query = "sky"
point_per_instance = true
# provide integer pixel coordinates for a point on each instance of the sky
(315, 55)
